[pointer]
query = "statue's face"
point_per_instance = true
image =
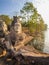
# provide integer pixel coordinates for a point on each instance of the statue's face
(3, 26)
(17, 27)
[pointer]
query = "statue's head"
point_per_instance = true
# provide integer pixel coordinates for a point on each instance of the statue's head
(15, 18)
(3, 28)
(3, 25)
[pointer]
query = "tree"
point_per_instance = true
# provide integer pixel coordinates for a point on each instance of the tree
(27, 10)
(34, 23)
(31, 18)
(31, 14)
(5, 18)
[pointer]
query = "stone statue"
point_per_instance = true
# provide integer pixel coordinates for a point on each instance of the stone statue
(16, 30)
(3, 32)
(16, 25)
(14, 37)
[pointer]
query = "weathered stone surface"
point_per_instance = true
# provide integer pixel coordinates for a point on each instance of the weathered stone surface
(25, 60)
(17, 25)
(3, 26)
(19, 53)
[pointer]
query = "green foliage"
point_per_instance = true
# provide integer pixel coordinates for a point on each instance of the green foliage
(27, 11)
(32, 19)
(5, 18)
(28, 7)
(35, 24)
(45, 27)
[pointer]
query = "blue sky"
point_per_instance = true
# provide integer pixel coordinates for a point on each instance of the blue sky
(10, 7)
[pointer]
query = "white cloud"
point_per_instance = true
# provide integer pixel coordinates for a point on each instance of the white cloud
(43, 8)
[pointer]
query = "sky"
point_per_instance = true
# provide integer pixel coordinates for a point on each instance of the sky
(10, 7)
